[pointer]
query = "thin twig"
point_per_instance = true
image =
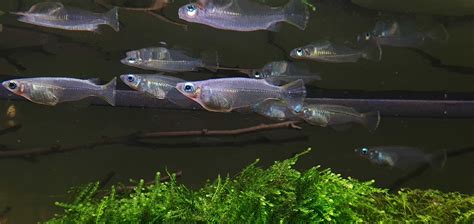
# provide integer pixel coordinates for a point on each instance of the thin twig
(166, 19)
(137, 139)
(233, 132)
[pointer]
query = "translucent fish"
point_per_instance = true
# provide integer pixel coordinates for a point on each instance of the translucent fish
(54, 90)
(275, 109)
(169, 60)
(326, 51)
(404, 32)
(284, 71)
(56, 15)
(338, 117)
(244, 15)
(157, 85)
(402, 157)
(228, 94)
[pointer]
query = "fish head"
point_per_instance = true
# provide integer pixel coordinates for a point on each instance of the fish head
(192, 90)
(258, 73)
(365, 37)
(131, 80)
(18, 87)
(302, 52)
(367, 153)
(190, 12)
(133, 58)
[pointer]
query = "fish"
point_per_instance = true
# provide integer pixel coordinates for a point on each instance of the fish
(244, 15)
(53, 90)
(402, 157)
(326, 51)
(56, 15)
(284, 71)
(228, 94)
(168, 60)
(404, 32)
(275, 109)
(157, 85)
(338, 117)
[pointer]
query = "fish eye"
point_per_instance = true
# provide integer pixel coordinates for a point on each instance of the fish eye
(130, 78)
(299, 52)
(298, 108)
(257, 74)
(191, 10)
(364, 151)
(132, 60)
(12, 85)
(189, 87)
(367, 36)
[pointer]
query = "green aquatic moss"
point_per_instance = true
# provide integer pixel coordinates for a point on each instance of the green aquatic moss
(278, 194)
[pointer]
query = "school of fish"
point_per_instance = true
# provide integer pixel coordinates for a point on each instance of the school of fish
(277, 90)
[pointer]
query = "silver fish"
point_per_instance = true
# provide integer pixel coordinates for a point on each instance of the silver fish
(168, 60)
(404, 32)
(275, 109)
(284, 71)
(326, 51)
(228, 94)
(244, 15)
(402, 157)
(337, 117)
(56, 15)
(53, 90)
(157, 85)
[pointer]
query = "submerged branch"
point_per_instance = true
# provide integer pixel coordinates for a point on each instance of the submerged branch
(206, 132)
(138, 139)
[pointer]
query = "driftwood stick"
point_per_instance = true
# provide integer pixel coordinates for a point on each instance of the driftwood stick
(137, 139)
(233, 132)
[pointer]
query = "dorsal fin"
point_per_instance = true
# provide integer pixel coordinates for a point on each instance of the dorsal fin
(46, 8)
(94, 81)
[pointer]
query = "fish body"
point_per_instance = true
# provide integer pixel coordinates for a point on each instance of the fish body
(54, 90)
(227, 94)
(166, 60)
(337, 116)
(326, 51)
(281, 71)
(158, 86)
(275, 109)
(244, 15)
(404, 33)
(56, 15)
(402, 157)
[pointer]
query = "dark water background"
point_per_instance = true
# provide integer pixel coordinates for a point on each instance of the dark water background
(31, 188)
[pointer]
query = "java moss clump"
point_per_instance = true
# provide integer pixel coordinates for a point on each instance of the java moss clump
(278, 194)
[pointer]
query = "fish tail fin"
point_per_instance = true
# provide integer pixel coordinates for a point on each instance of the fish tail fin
(371, 120)
(108, 91)
(112, 19)
(297, 14)
(372, 50)
(438, 159)
(210, 60)
(295, 92)
(439, 33)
